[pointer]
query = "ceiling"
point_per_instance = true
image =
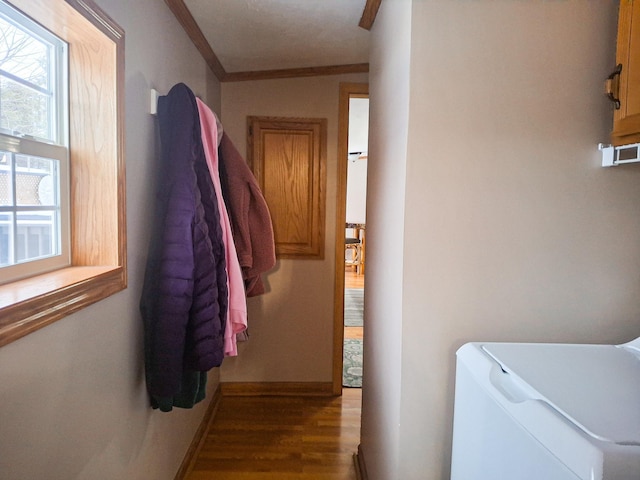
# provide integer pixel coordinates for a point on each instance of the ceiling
(254, 39)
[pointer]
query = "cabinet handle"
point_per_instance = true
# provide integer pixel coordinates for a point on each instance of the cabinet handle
(612, 86)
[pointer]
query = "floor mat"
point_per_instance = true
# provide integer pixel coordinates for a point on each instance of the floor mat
(352, 363)
(354, 307)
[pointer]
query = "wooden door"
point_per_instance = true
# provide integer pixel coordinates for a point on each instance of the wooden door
(288, 158)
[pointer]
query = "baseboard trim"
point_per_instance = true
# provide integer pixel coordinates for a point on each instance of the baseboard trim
(361, 469)
(277, 389)
(199, 437)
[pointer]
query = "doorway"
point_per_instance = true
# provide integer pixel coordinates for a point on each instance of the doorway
(350, 224)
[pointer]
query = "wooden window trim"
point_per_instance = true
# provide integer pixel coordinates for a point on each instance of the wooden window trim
(96, 130)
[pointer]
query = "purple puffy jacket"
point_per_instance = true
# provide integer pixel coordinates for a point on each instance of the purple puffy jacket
(184, 299)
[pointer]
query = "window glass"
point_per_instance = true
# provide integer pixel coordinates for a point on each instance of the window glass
(35, 235)
(30, 218)
(6, 239)
(31, 64)
(24, 111)
(23, 56)
(32, 119)
(6, 179)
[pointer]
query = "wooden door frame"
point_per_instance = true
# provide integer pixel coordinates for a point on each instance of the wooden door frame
(347, 91)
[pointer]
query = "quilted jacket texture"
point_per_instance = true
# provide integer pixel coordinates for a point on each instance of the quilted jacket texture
(184, 298)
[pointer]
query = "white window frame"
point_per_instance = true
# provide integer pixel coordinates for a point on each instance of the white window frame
(55, 147)
(62, 257)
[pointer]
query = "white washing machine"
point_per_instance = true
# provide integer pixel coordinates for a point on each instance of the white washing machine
(547, 412)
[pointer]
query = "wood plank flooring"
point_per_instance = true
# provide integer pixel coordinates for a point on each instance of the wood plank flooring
(282, 438)
(352, 279)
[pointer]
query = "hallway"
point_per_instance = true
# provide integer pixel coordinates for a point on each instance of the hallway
(282, 438)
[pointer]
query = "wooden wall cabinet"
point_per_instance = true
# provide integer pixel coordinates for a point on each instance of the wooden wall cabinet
(288, 158)
(624, 87)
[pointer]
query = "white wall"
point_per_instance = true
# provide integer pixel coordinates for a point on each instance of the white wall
(74, 404)
(291, 326)
(512, 231)
(383, 310)
(356, 211)
(358, 125)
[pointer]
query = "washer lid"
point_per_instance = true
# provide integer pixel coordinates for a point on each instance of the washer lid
(597, 387)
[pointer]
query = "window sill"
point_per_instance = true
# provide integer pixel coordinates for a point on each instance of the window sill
(30, 304)
(97, 172)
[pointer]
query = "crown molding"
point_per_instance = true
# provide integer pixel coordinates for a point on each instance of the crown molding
(190, 26)
(296, 72)
(369, 14)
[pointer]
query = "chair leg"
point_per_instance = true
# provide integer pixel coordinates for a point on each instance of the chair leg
(356, 255)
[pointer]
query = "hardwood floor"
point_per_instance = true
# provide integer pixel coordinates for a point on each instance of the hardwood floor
(352, 279)
(282, 438)
(354, 333)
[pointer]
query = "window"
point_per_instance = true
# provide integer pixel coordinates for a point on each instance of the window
(34, 156)
(42, 156)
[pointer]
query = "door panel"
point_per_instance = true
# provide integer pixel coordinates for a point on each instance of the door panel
(288, 157)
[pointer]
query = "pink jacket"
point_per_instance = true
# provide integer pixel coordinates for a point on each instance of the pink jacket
(237, 312)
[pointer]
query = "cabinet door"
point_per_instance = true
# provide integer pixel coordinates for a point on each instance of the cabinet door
(626, 120)
(288, 158)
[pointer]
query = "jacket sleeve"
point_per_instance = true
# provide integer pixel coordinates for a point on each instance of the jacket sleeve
(263, 244)
(250, 217)
(172, 300)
